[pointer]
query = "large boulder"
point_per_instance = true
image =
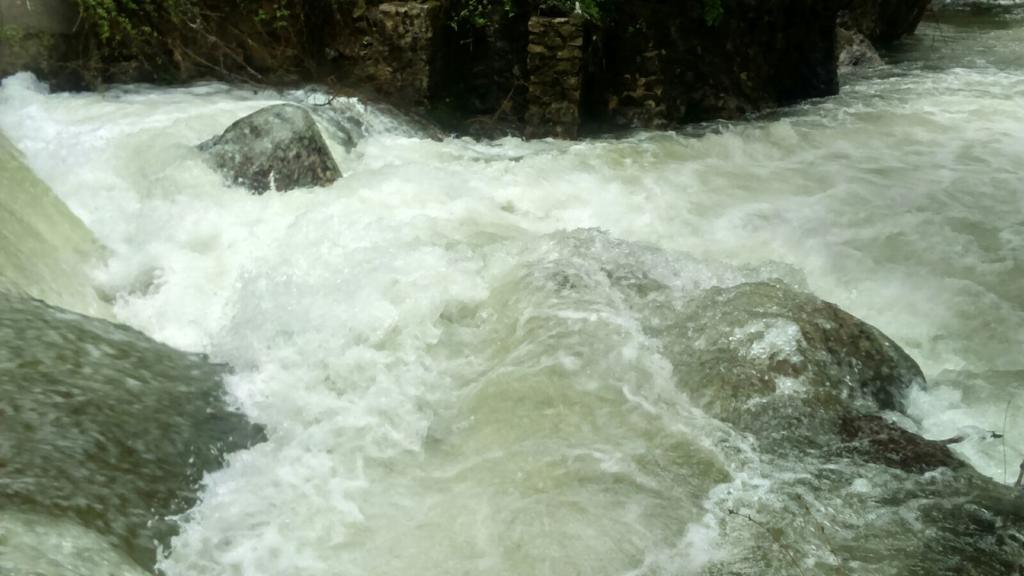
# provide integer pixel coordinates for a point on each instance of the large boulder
(682, 62)
(278, 147)
(794, 370)
(105, 429)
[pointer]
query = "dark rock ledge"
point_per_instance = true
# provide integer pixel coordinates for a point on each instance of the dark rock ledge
(533, 67)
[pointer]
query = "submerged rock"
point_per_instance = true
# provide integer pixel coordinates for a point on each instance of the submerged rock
(105, 427)
(804, 377)
(875, 439)
(278, 147)
(807, 380)
(785, 365)
(820, 479)
(855, 51)
(801, 373)
(779, 333)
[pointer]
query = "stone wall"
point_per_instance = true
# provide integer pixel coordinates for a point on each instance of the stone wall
(651, 64)
(662, 63)
(555, 66)
(399, 50)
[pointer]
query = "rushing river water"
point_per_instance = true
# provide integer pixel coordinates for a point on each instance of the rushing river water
(456, 370)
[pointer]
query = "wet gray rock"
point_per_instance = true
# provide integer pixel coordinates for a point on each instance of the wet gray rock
(785, 365)
(801, 374)
(278, 147)
(105, 427)
(855, 51)
(874, 439)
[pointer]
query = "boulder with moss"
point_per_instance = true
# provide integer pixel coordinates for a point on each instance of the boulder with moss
(276, 148)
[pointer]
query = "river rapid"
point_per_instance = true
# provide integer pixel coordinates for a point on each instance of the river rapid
(455, 368)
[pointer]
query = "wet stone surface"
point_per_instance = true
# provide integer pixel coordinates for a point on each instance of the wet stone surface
(277, 148)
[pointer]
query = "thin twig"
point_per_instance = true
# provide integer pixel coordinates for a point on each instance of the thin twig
(212, 66)
(328, 102)
(198, 27)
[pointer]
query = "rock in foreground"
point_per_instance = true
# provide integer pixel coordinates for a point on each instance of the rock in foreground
(276, 148)
(104, 428)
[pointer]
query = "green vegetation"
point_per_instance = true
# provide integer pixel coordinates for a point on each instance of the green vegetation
(275, 16)
(479, 13)
(130, 23)
(713, 12)
(167, 35)
(133, 28)
(9, 35)
(596, 10)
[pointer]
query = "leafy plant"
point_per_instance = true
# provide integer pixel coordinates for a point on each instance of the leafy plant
(161, 36)
(277, 16)
(713, 12)
(478, 13)
(9, 35)
(128, 24)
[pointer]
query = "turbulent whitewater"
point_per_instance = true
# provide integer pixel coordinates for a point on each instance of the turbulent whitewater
(479, 358)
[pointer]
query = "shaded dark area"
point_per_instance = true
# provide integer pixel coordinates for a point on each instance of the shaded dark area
(661, 63)
(101, 424)
(883, 21)
(485, 67)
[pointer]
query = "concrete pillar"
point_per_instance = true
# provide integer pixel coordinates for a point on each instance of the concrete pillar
(554, 64)
(398, 52)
